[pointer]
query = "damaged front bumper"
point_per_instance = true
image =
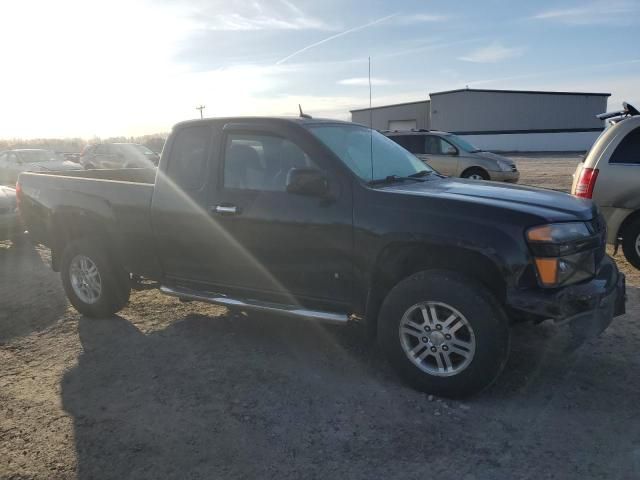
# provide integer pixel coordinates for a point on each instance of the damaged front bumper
(587, 307)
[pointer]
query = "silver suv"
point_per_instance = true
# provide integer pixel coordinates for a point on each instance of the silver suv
(451, 155)
(610, 175)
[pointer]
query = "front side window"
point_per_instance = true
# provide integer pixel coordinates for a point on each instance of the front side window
(261, 161)
(462, 144)
(628, 151)
(189, 157)
(434, 145)
(368, 153)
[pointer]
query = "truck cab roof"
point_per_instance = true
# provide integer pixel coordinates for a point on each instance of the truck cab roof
(283, 119)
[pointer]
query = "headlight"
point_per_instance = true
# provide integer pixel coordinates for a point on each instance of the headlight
(504, 166)
(563, 252)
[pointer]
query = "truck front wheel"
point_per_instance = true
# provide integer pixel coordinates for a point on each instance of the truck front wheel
(444, 333)
(96, 285)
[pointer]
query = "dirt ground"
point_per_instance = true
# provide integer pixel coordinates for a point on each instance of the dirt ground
(174, 390)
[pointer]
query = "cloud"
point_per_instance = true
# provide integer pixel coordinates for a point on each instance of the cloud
(247, 16)
(337, 35)
(492, 53)
(364, 82)
(419, 18)
(594, 13)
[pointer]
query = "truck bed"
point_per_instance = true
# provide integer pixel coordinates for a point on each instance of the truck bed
(130, 175)
(111, 205)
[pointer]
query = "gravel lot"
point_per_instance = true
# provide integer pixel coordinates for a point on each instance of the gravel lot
(173, 390)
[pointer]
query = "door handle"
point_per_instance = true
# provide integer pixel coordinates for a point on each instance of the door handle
(226, 209)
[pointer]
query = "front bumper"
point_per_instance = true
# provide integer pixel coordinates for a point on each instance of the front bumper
(511, 176)
(589, 307)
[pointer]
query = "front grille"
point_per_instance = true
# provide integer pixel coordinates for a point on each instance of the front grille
(599, 226)
(514, 168)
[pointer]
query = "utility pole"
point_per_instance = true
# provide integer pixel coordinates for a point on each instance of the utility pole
(201, 108)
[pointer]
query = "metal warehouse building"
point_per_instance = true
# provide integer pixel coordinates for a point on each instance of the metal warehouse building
(500, 120)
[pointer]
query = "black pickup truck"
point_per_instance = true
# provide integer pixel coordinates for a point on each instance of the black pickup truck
(330, 221)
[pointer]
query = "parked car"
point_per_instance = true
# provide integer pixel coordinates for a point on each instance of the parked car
(72, 157)
(610, 175)
(453, 156)
(302, 217)
(118, 155)
(13, 162)
(9, 221)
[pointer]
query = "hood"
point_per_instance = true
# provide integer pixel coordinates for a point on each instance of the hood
(550, 205)
(53, 165)
(494, 156)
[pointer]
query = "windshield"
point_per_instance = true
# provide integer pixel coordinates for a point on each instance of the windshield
(368, 154)
(462, 144)
(34, 156)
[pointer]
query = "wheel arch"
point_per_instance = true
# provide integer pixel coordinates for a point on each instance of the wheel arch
(67, 227)
(399, 261)
(475, 168)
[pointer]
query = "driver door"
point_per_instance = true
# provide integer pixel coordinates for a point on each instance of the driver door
(283, 245)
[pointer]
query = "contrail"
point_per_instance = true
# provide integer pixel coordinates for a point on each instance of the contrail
(337, 35)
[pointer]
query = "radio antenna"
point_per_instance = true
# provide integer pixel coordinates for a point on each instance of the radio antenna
(302, 114)
(370, 122)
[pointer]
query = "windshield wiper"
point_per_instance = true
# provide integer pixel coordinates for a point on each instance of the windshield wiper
(421, 173)
(393, 179)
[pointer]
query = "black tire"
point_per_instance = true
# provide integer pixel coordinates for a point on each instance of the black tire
(88, 166)
(115, 283)
(480, 309)
(629, 242)
(475, 171)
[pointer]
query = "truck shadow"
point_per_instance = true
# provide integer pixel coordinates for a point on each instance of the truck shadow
(31, 297)
(262, 397)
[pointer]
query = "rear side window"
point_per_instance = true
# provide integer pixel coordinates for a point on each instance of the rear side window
(189, 156)
(413, 143)
(628, 151)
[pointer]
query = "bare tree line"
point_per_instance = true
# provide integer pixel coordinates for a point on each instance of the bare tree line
(75, 145)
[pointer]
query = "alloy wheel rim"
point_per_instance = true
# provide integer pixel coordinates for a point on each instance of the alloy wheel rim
(437, 338)
(85, 279)
(475, 176)
(638, 245)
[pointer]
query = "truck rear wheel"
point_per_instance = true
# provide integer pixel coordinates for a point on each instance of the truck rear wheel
(96, 285)
(631, 243)
(444, 334)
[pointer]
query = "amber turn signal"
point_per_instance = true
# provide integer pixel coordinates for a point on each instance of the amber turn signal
(540, 234)
(547, 271)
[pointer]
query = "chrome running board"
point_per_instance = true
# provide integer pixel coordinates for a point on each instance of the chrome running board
(256, 305)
